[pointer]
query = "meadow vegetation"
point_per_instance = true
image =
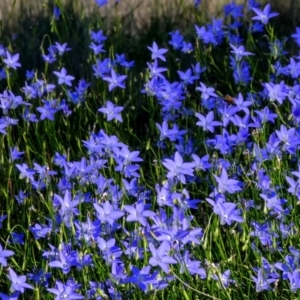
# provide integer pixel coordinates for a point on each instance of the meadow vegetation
(159, 165)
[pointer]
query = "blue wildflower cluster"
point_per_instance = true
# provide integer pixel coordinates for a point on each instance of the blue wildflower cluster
(118, 186)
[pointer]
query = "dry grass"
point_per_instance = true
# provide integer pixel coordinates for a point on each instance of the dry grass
(139, 10)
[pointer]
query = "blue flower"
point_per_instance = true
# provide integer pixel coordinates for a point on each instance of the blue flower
(207, 92)
(18, 283)
(142, 278)
(165, 132)
(40, 277)
(65, 291)
(276, 91)
(56, 12)
(187, 77)
(97, 48)
(64, 261)
(294, 279)
(48, 110)
(178, 169)
(11, 61)
(226, 211)
(227, 185)
(192, 266)
(67, 207)
(239, 52)
(40, 231)
(106, 213)
(63, 77)
(296, 36)
(14, 296)
(207, 122)
(15, 154)
(101, 2)
(264, 15)
(98, 36)
(26, 172)
(263, 281)
(115, 80)
(112, 111)
(157, 53)
(3, 255)
(61, 48)
(160, 256)
(224, 279)
(272, 202)
(2, 218)
(138, 213)
(155, 70)
(176, 39)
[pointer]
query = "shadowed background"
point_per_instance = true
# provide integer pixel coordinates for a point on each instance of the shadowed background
(140, 10)
(131, 26)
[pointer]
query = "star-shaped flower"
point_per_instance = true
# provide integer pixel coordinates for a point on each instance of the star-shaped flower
(264, 15)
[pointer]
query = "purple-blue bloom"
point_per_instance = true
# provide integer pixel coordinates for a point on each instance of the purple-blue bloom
(64, 261)
(294, 278)
(207, 122)
(64, 291)
(48, 110)
(192, 266)
(187, 77)
(61, 48)
(142, 278)
(101, 2)
(206, 92)
(138, 213)
(264, 15)
(15, 154)
(224, 279)
(3, 255)
(40, 277)
(26, 172)
(112, 111)
(276, 91)
(263, 281)
(67, 207)
(227, 211)
(178, 169)
(18, 283)
(11, 61)
(227, 185)
(187, 47)
(272, 202)
(56, 12)
(13, 296)
(239, 52)
(115, 80)
(63, 77)
(176, 39)
(106, 213)
(98, 37)
(160, 256)
(287, 140)
(156, 52)
(155, 70)
(40, 231)
(205, 35)
(296, 36)
(2, 218)
(97, 48)
(165, 132)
